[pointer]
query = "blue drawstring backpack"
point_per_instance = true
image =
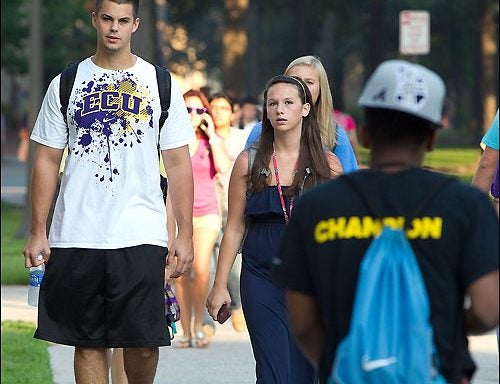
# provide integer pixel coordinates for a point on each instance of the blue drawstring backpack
(390, 339)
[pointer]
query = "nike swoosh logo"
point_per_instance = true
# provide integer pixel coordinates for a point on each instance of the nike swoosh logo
(370, 365)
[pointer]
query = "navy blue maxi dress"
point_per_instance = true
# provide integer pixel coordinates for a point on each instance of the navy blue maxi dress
(263, 301)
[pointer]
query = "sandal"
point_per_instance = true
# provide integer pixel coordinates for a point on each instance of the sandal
(183, 342)
(200, 340)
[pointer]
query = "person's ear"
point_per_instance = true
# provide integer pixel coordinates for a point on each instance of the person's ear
(431, 141)
(94, 19)
(306, 108)
(136, 24)
(364, 137)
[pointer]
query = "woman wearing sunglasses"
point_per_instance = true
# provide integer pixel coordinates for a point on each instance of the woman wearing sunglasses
(208, 156)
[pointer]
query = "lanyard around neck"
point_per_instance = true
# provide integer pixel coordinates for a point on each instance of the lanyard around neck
(280, 192)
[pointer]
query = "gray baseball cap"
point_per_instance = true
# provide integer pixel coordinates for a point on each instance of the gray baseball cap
(406, 87)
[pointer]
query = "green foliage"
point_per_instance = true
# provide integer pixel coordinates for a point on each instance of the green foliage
(13, 271)
(15, 32)
(24, 359)
(68, 35)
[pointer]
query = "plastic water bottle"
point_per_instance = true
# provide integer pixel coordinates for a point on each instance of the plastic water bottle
(36, 276)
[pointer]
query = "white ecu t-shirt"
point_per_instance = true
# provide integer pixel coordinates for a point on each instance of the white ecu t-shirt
(110, 190)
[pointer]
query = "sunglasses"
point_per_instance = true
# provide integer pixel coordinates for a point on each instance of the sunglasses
(199, 111)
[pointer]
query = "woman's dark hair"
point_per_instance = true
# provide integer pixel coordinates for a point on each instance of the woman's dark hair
(389, 127)
(311, 153)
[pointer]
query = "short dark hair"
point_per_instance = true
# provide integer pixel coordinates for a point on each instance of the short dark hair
(249, 100)
(389, 127)
(135, 5)
(222, 95)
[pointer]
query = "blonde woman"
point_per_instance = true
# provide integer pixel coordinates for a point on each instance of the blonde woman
(311, 71)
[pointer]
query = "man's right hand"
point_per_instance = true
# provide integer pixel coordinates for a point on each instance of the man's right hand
(182, 249)
(36, 245)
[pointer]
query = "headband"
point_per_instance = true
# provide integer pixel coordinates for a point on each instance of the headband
(301, 85)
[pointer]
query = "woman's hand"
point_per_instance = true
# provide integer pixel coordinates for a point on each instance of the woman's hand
(209, 127)
(217, 297)
(334, 164)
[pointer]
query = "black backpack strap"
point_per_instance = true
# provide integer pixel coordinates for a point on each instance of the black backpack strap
(164, 81)
(355, 185)
(66, 83)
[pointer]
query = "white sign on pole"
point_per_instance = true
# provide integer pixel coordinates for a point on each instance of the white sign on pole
(414, 32)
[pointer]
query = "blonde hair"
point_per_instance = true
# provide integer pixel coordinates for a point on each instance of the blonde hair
(324, 104)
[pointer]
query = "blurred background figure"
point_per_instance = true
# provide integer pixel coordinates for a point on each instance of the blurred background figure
(24, 145)
(347, 122)
(250, 114)
(207, 157)
(236, 115)
(234, 140)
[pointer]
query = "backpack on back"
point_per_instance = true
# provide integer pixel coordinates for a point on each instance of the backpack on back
(163, 80)
(390, 338)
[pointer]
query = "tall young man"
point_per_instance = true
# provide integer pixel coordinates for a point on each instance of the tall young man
(331, 229)
(106, 250)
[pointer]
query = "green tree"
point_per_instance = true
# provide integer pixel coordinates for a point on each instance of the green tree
(15, 33)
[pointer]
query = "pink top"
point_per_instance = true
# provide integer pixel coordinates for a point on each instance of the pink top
(345, 121)
(205, 198)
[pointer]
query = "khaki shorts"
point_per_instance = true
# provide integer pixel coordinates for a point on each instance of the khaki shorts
(207, 221)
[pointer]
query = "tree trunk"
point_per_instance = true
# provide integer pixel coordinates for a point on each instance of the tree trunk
(376, 35)
(234, 46)
(35, 94)
(489, 53)
(302, 27)
(252, 75)
(143, 40)
(327, 58)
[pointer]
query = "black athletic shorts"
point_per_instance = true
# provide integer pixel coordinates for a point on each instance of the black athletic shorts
(104, 298)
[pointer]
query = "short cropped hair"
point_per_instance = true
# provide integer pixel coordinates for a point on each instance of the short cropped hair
(135, 5)
(386, 127)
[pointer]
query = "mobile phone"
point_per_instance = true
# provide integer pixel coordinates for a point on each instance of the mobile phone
(224, 313)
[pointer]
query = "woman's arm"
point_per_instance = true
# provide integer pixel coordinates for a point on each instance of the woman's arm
(233, 234)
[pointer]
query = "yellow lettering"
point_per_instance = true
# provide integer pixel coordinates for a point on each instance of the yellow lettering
(432, 227)
(394, 222)
(425, 228)
(371, 227)
(353, 228)
(321, 232)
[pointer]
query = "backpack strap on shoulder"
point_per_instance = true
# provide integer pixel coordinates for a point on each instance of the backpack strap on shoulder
(164, 81)
(66, 83)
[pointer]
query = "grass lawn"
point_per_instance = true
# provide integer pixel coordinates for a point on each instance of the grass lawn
(24, 359)
(13, 271)
(460, 162)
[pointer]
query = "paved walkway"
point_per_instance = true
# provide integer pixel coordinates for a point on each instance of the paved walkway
(228, 360)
